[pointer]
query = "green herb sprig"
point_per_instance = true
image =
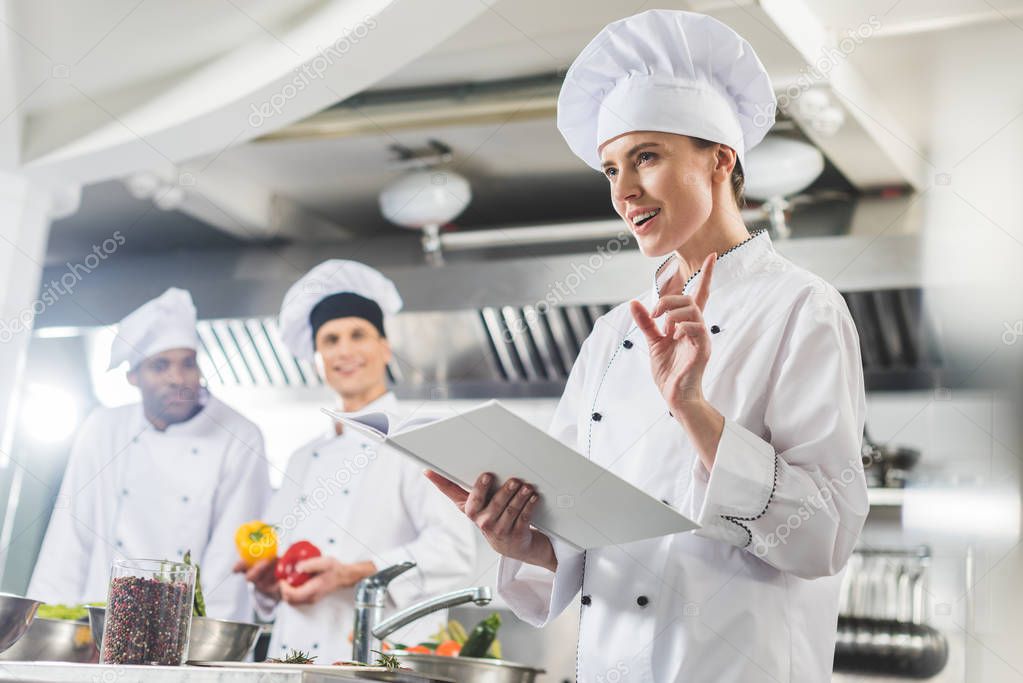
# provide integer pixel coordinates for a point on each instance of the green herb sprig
(294, 657)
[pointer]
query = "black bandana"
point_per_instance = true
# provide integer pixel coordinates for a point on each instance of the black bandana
(346, 305)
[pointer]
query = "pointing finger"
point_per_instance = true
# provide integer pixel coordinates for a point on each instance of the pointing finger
(644, 322)
(456, 493)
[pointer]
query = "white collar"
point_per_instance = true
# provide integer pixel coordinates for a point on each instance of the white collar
(388, 403)
(730, 266)
(196, 426)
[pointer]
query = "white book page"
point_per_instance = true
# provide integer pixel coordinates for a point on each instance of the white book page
(377, 424)
(580, 501)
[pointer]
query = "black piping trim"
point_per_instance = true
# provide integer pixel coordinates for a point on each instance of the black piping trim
(738, 521)
(753, 235)
(582, 611)
(596, 394)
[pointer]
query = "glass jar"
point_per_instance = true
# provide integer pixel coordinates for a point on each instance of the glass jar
(149, 613)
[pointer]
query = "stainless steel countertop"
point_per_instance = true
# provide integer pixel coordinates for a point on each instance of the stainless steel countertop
(60, 672)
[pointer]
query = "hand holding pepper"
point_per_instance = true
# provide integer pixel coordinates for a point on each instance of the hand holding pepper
(262, 576)
(257, 548)
(287, 567)
(326, 575)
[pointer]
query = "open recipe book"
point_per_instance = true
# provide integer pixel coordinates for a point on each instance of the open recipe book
(580, 501)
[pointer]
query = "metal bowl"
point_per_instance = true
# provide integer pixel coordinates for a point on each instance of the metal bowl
(16, 615)
(471, 669)
(54, 640)
(219, 640)
(209, 640)
(96, 618)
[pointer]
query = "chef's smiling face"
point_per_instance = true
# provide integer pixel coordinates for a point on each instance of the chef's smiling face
(664, 186)
(354, 356)
(170, 382)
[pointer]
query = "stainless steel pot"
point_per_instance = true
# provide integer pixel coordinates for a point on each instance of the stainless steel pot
(220, 640)
(470, 669)
(54, 640)
(16, 615)
(884, 646)
(97, 616)
(209, 640)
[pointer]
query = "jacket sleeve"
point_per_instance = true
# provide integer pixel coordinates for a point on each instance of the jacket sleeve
(62, 566)
(535, 594)
(444, 546)
(796, 497)
(241, 496)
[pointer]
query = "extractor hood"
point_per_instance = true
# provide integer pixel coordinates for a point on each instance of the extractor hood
(528, 351)
(509, 322)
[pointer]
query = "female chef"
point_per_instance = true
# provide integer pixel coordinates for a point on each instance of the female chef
(733, 391)
(366, 508)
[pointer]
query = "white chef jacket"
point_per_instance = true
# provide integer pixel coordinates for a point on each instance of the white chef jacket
(357, 501)
(753, 594)
(132, 491)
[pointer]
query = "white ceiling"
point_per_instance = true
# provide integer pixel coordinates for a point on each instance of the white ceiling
(522, 171)
(113, 45)
(524, 37)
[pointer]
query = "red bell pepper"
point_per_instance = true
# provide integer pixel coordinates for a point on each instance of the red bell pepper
(285, 569)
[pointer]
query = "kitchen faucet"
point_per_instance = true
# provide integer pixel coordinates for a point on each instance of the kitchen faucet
(370, 594)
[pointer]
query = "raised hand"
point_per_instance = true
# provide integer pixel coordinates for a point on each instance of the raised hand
(679, 355)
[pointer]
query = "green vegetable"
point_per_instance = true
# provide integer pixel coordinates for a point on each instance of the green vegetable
(67, 612)
(294, 657)
(390, 662)
(199, 603)
(457, 631)
(482, 637)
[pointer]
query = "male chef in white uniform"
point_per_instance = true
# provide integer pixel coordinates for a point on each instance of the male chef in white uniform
(179, 471)
(366, 508)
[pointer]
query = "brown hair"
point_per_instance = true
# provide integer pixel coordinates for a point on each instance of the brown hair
(738, 179)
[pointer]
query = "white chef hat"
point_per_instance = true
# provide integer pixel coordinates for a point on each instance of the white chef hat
(166, 322)
(666, 71)
(334, 289)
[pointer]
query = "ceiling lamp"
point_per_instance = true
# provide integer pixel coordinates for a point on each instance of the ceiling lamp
(777, 169)
(816, 109)
(426, 200)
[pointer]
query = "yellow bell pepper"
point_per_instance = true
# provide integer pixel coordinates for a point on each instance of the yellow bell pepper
(256, 541)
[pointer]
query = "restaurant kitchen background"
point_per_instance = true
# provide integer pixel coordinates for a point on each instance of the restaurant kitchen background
(227, 148)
